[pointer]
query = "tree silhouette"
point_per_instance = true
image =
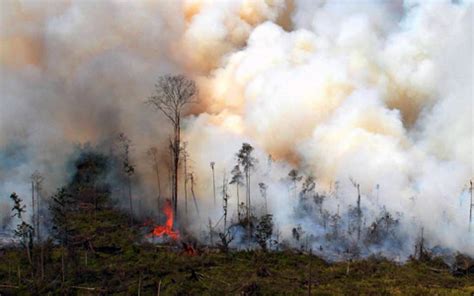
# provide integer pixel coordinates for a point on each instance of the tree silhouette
(212, 164)
(23, 231)
(294, 178)
(247, 162)
(172, 94)
(237, 179)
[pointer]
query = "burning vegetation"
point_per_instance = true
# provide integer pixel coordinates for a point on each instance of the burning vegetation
(302, 147)
(167, 229)
(87, 228)
(97, 216)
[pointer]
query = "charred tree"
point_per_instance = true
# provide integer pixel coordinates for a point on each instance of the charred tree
(193, 182)
(172, 95)
(212, 164)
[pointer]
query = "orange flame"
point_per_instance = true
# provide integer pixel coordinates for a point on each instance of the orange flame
(167, 229)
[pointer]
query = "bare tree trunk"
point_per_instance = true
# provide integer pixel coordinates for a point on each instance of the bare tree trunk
(224, 197)
(177, 135)
(28, 254)
(170, 173)
(38, 217)
(194, 195)
(213, 183)
(175, 186)
(238, 201)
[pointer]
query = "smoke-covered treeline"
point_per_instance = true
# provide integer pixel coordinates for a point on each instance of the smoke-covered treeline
(368, 104)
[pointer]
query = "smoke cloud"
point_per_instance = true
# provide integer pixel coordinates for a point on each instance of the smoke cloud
(379, 93)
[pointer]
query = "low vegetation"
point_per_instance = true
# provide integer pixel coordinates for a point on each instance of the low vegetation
(89, 244)
(147, 269)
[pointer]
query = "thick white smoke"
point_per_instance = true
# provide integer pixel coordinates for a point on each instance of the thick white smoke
(381, 94)
(377, 92)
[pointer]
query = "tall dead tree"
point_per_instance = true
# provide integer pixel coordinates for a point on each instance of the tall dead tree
(172, 94)
(36, 181)
(193, 182)
(225, 199)
(185, 160)
(247, 162)
(212, 164)
(237, 181)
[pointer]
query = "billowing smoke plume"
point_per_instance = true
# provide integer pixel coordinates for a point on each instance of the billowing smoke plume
(371, 93)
